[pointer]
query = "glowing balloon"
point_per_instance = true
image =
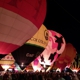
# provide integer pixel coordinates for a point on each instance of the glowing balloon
(59, 39)
(19, 20)
(43, 59)
(50, 50)
(55, 46)
(7, 61)
(32, 48)
(5, 67)
(66, 57)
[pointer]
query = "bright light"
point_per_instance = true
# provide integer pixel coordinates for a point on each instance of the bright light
(48, 69)
(10, 69)
(43, 70)
(44, 65)
(68, 66)
(36, 68)
(74, 70)
(22, 64)
(5, 67)
(16, 69)
(58, 69)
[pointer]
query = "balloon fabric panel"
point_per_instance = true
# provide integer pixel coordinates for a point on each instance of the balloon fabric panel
(26, 54)
(59, 39)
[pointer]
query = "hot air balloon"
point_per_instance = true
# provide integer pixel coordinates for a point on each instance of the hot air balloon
(55, 45)
(50, 49)
(43, 58)
(19, 21)
(59, 39)
(7, 61)
(32, 48)
(51, 52)
(66, 57)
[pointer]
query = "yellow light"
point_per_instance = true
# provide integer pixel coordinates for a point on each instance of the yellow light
(5, 67)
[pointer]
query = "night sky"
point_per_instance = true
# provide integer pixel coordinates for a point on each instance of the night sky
(63, 16)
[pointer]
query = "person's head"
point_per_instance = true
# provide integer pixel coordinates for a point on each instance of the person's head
(67, 73)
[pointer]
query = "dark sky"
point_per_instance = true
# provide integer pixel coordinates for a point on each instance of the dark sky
(63, 16)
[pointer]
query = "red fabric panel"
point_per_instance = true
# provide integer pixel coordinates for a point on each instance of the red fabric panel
(70, 53)
(66, 57)
(6, 48)
(1, 3)
(61, 65)
(34, 10)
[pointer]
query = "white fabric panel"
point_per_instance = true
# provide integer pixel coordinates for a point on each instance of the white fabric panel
(14, 28)
(6, 20)
(21, 26)
(4, 29)
(2, 37)
(9, 13)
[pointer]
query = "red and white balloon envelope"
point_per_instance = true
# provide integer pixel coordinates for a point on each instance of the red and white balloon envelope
(54, 48)
(19, 21)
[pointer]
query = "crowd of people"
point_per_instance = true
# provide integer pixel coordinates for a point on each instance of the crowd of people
(40, 76)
